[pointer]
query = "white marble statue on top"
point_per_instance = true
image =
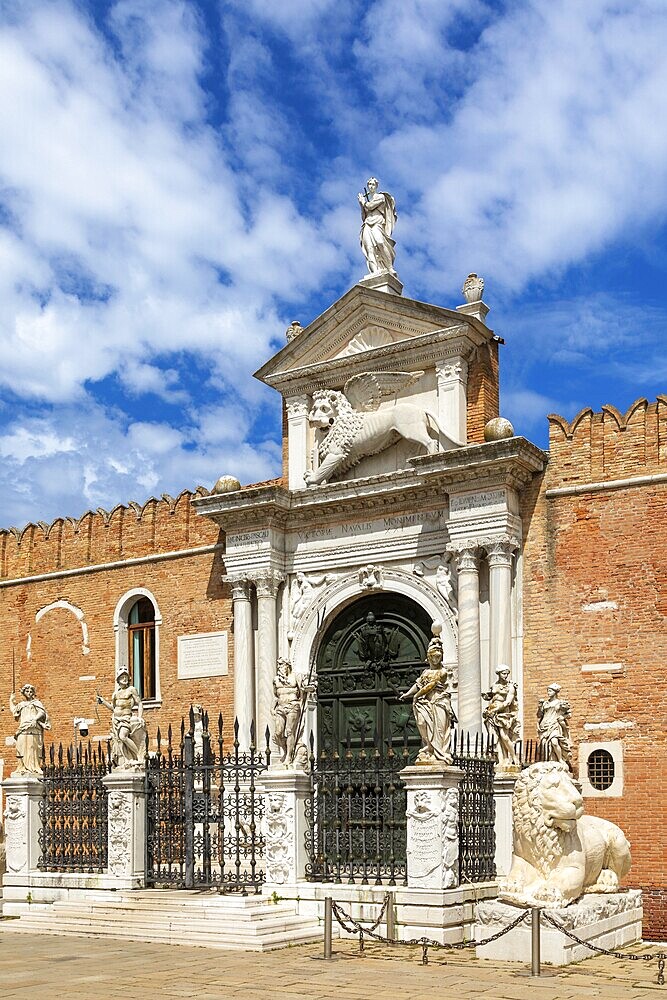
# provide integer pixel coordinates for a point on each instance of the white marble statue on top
(290, 696)
(33, 721)
(553, 728)
(432, 704)
(378, 218)
(128, 729)
(501, 718)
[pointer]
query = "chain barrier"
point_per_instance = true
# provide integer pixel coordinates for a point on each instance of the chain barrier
(353, 927)
(626, 955)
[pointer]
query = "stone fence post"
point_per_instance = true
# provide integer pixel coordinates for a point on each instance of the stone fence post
(433, 825)
(126, 812)
(503, 790)
(23, 795)
(284, 826)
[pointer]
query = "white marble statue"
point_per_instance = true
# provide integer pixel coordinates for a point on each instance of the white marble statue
(378, 218)
(558, 852)
(290, 695)
(304, 590)
(33, 721)
(432, 705)
(351, 426)
(553, 729)
(128, 729)
(501, 718)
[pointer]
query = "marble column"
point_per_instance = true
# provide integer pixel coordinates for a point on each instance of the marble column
(470, 681)
(499, 557)
(297, 440)
(267, 586)
(244, 667)
(452, 378)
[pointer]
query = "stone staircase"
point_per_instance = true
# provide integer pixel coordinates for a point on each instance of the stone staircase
(201, 918)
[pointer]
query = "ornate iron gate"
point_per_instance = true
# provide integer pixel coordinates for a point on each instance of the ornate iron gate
(73, 811)
(477, 813)
(203, 811)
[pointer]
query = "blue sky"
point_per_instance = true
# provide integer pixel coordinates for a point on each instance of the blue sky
(178, 183)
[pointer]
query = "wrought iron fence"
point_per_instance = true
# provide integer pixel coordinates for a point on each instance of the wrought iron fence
(203, 811)
(477, 836)
(73, 810)
(356, 813)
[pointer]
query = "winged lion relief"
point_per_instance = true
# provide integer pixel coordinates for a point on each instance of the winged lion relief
(352, 426)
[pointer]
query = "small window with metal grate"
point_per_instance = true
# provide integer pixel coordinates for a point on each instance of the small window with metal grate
(601, 769)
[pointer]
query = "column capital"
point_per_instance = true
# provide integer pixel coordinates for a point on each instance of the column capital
(466, 555)
(240, 586)
(452, 370)
(297, 407)
(500, 551)
(267, 583)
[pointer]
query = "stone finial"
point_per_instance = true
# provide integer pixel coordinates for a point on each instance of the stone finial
(473, 288)
(226, 484)
(497, 429)
(293, 331)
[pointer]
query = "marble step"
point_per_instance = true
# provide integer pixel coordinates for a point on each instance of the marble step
(264, 926)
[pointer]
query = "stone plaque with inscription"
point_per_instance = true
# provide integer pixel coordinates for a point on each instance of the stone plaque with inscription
(203, 654)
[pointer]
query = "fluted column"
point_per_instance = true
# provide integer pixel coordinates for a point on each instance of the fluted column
(267, 648)
(499, 556)
(470, 681)
(244, 679)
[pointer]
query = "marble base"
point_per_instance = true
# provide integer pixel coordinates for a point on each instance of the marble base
(432, 825)
(608, 921)
(383, 281)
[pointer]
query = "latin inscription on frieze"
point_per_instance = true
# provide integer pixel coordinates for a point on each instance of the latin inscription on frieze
(475, 501)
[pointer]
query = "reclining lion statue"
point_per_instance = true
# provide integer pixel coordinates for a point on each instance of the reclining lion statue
(354, 427)
(558, 852)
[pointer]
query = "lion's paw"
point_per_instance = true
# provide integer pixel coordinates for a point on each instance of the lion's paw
(550, 895)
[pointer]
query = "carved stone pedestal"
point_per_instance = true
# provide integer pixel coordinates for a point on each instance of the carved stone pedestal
(503, 789)
(126, 827)
(284, 826)
(433, 825)
(22, 823)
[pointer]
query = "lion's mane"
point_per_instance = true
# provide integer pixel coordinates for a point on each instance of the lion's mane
(542, 844)
(346, 426)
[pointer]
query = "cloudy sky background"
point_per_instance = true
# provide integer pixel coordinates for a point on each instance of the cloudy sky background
(178, 182)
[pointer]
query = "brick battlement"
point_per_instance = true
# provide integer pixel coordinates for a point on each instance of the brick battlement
(597, 447)
(128, 531)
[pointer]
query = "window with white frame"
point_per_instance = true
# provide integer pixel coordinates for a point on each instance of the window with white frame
(601, 769)
(137, 623)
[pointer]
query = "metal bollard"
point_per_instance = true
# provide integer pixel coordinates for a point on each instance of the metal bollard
(535, 941)
(391, 916)
(328, 901)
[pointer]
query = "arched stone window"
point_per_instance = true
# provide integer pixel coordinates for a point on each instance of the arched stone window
(137, 623)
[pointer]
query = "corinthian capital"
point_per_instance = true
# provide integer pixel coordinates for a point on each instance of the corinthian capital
(453, 370)
(297, 406)
(267, 584)
(500, 551)
(240, 587)
(466, 555)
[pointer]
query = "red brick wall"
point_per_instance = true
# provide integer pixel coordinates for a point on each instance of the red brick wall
(483, 391)
(188, 590)
(606, 546)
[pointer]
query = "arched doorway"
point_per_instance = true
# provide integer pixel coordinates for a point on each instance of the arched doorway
(370, 653)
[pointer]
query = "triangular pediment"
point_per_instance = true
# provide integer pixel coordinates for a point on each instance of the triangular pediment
(363, 324)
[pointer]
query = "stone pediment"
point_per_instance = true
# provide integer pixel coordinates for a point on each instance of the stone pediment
(364, 327)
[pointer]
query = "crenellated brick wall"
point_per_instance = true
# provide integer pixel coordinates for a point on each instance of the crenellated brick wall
(595, 593)
(90, 563)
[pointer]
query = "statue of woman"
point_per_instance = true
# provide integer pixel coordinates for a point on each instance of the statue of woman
(501, 717)
(378, 218)
(33, 719)
(553, 726)
(432, 705)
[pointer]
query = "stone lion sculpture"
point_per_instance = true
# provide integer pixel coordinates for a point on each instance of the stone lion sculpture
(355, 428)
(558, 852)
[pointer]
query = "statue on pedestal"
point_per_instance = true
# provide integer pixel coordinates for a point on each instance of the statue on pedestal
(33, 720)
(290, 696)
(378, 218)
(553, 728)
(501, 718)
(128, 731)
(432, 704)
